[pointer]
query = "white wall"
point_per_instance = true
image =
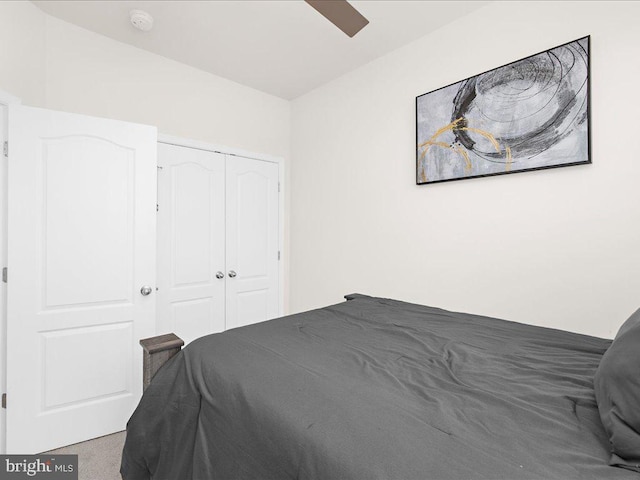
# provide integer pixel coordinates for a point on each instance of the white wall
(92, 74)
(22, 62)
(51, 63)
(558, 248)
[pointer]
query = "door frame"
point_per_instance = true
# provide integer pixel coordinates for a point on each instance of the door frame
(6, 99)
(209, 147)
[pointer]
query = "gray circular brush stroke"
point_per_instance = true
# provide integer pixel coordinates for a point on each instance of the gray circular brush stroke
(529, 105)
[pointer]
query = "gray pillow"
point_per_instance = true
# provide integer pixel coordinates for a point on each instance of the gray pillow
(617, 390)
(632, 321)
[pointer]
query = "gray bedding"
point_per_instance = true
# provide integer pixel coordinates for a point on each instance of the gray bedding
(371, 389)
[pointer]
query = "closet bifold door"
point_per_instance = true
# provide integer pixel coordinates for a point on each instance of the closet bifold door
(251, 241)
(191, 241)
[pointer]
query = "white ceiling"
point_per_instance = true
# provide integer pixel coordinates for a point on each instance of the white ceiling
(284, 48)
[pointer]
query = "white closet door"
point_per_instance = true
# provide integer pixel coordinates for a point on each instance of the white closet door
(81, 222)
(252, 241)
(191, 225)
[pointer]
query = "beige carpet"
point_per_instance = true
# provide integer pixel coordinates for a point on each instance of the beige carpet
(98, 459)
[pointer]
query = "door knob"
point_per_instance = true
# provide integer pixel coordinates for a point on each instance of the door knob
(146, 290)
(232, 273)
(219, 275)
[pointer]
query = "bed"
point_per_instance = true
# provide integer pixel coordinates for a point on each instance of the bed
(375, 388)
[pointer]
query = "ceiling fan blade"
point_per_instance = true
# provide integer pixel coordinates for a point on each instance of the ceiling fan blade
(341, 14)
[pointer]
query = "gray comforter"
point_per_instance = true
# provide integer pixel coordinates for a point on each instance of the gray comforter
(375, 389)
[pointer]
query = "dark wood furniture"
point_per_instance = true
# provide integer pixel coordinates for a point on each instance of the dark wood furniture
(157, 351)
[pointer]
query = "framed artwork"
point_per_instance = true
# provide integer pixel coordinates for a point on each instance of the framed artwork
(527, 115)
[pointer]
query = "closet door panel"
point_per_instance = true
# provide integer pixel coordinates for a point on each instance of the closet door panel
(81, 245)
(252, 241)
(191, 225)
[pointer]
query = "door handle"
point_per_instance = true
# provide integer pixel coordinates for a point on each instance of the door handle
(232, 274)
(219, 275)
(146, 290)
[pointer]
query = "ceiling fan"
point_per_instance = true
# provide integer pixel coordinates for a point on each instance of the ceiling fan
(342, 14)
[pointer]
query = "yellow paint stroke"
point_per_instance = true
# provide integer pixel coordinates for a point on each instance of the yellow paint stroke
(439, 132)
(464, 155)
(458, 150)
(432, 142)
(446, 128)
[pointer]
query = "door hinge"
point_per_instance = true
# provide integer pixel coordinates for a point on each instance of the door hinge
(5, 148)
(278, 187)
(4, 400)
(278, 254)
(4, 274)
(157, 207)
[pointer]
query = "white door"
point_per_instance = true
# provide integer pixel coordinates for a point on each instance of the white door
(191, 223)
(81, 222)
(252, 241)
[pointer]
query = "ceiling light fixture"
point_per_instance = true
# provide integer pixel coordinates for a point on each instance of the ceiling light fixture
(141, 20)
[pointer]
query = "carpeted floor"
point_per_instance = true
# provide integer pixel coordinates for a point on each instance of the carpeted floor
(98, 459)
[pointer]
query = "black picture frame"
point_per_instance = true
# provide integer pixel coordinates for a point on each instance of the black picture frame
(530, 114)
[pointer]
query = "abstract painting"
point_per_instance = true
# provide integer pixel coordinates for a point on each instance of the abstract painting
(527, 115)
